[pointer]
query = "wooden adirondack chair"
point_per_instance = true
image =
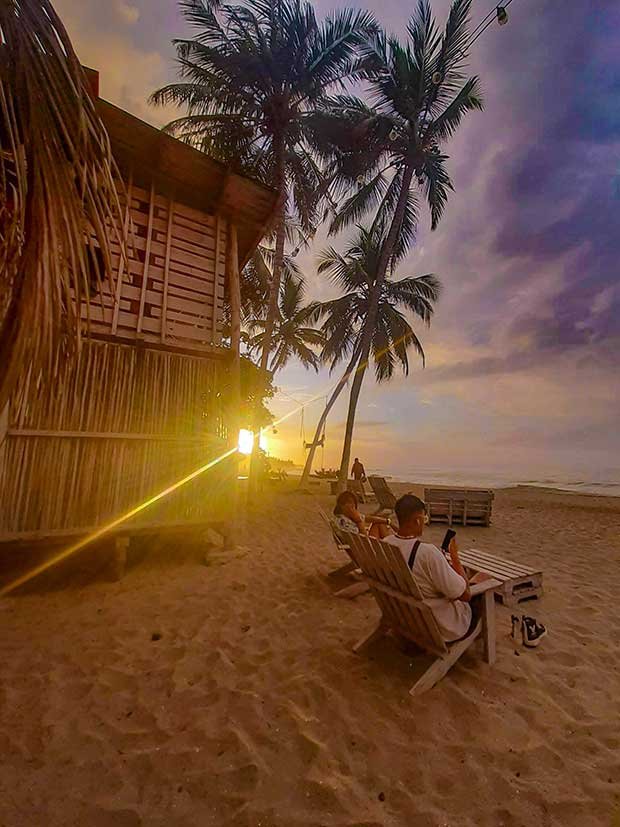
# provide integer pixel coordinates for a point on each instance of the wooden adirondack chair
(348, 568)
(404, 611)
(385, 496)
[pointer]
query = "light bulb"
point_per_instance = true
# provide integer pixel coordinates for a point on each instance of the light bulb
(437, 78)
(393, 135)
(502, 16)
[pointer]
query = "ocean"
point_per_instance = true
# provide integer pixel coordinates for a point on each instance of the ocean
(608, 486)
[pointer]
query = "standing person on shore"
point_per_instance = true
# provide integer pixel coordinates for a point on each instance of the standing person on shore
(358, 472)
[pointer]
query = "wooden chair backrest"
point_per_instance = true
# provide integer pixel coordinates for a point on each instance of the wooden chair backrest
(385, 496)
(337, 535)
(396, 591)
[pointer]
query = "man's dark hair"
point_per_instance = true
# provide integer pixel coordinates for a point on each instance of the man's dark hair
(407, 506)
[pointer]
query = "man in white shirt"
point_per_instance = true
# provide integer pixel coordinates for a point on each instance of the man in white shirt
(443, 585)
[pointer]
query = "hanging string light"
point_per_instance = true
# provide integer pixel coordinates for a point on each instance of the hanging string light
(502, 15)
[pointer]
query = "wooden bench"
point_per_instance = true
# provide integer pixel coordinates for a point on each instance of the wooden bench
(518, 582)
(465, 506)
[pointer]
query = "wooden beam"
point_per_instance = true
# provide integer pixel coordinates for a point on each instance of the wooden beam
(4, 423)
(234, 296)
(218, 250)
(164, 309)
(123, 256)
(147, 256)
(234, 290)
(31, 432)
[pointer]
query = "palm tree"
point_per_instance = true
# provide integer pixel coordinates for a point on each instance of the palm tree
(56, 188)
(345, 318)
(418, 97)
(294, 334)
(249, 79)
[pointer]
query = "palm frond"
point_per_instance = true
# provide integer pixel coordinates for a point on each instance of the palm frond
(57, 189)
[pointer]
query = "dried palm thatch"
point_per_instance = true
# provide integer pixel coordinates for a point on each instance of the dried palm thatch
(57, 193)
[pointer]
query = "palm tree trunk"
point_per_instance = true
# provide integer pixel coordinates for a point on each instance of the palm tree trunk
(278, 259)
(274, 292)
(330, 404)
(370, 323)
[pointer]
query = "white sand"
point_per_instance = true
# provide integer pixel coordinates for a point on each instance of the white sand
(251, 709)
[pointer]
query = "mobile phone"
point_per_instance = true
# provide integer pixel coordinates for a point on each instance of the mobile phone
(445, 546)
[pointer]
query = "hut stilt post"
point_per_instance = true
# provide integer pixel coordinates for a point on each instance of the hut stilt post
(235, 369)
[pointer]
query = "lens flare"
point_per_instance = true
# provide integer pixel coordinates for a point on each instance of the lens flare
(247, 440)
(91, 538)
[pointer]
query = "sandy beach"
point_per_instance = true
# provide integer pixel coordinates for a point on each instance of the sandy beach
(227, 694)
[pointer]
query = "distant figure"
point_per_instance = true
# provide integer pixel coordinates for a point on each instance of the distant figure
(358, 472)
(347, 517)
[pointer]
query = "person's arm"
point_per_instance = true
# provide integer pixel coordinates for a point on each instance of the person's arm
(375, 518)
(458, 568)
(448, 581)
(359, 521)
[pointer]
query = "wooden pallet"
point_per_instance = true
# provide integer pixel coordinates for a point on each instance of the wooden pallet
(459, 505)
(518, 582)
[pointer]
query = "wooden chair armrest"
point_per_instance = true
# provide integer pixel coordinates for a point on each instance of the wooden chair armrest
(484, 586)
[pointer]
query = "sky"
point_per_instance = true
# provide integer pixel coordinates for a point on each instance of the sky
(522, 372)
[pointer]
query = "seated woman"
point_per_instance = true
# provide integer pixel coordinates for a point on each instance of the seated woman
(347, 517)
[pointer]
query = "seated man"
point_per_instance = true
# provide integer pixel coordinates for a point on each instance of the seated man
(443, 585)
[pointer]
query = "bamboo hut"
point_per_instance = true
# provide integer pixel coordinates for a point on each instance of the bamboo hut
(142, 405)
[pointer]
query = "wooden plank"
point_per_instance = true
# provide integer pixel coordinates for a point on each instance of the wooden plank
(218, 253)
(122, 261)
(441, 666)
(482, 557)
(164, 309)
(494, 558)
(149, 239)
(28, 433)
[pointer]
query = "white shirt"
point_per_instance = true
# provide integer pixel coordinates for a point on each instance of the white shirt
(440, 586)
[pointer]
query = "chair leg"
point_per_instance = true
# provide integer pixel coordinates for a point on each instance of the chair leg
(119, 558)
(442, 665)
(353, 590)
(378, 632)
(346, 569)
(488, 626)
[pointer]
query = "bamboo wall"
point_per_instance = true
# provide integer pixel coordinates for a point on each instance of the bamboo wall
(170, 288)
(106, 432)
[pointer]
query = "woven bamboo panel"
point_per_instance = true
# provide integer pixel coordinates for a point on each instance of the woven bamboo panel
(170, 286)
(112, 429)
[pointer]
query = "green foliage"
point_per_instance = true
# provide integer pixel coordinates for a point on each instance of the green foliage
(355, 272)
(250, 76)
(294, 335)
(418, 97)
